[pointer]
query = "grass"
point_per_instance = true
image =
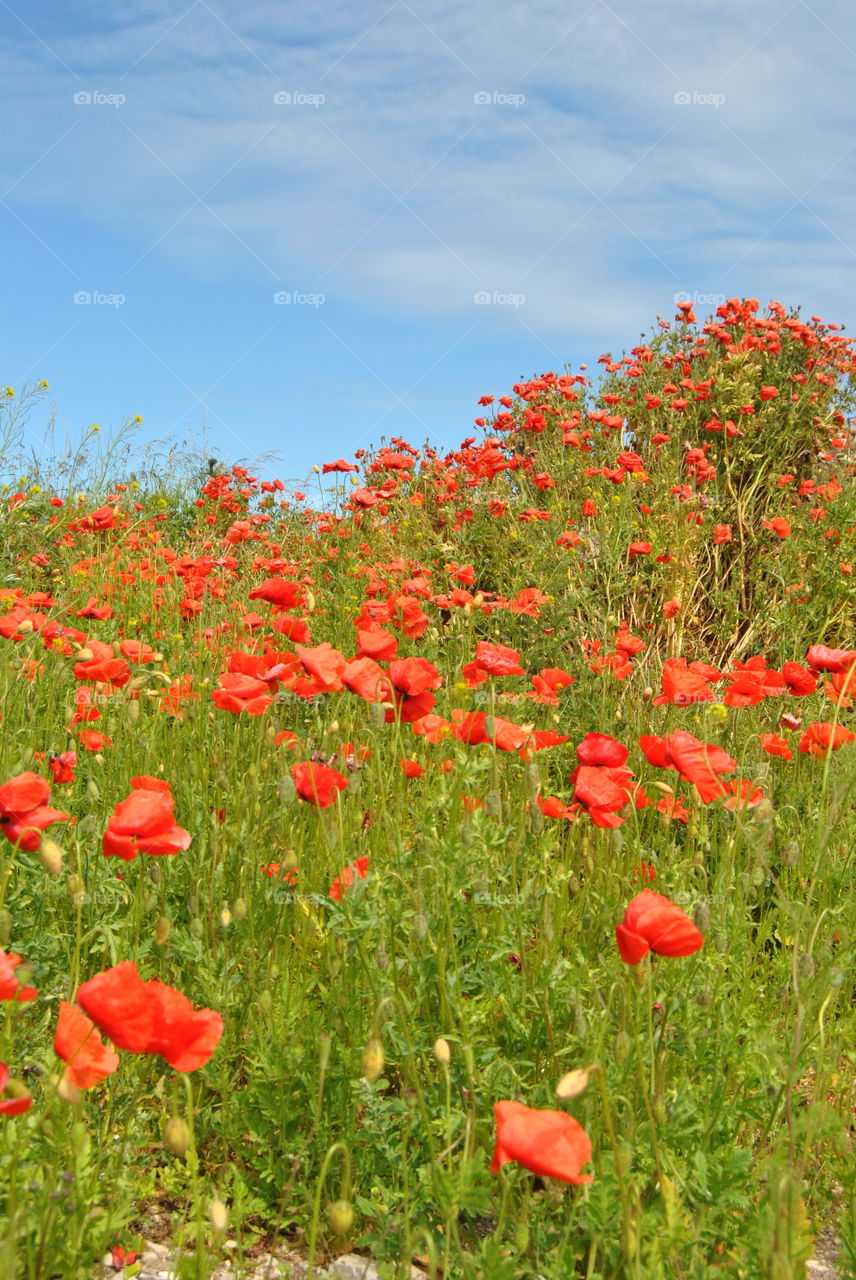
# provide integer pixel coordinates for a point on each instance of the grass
(369, 1032)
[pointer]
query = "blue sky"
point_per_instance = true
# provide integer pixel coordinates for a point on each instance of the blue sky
(445, 198)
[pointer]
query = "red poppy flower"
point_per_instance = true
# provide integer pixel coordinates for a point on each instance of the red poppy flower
(92, 740)
(821, 658)
(144, 823)
(550, 1144)
(317, 783)
(358, 869)
(24, 811)
(653, 923)
(696, 762)
(184, 1036)
(15, 1105)
(600, 794)
(779, 526)
(62, 766)
(799, 681)
(239, 693)
(148, 1017)
(278, 591)
(376, 643)
(498, 659)
(103, 667)
(11, 988)
(682, 685)
(414, 676)
(366, 678)
(823, 736)
(78, 1042)
(600, 749)
(775, 745)
(325, 664)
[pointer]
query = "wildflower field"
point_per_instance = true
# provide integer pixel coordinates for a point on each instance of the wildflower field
(453, 865)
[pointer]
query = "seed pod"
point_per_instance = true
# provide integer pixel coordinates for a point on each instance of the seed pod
(176, 1136)
(51, 856)
(621, 1046)
(340, 1216)
(75, 887)
(373, 1061)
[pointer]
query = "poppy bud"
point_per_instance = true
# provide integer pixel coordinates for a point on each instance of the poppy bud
(163, 924)
(442, 1051)
(76, 888)
(532, 778)
(51, 856)
(239, 909)
(573, 1083)
(621, 1046)
(133, 712)
(701, 916)
(340, 1216)
(176, 1136)
(790, 854)
(265, 1001)
(5, 927)
(92, 790)
(373, 1061)
(219, 1215)
(66, 1091)
(286, 789)
(197, 929)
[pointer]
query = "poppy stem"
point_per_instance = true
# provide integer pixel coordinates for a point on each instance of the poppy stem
(629, 1234)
